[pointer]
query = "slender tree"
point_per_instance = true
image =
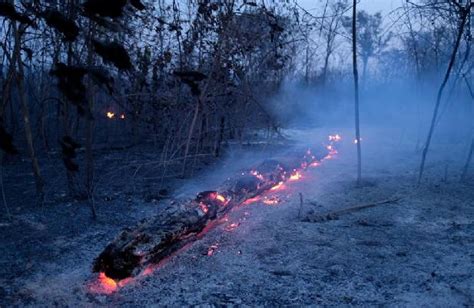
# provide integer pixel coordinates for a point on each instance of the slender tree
(356, 91)
(464, 12)
(20, 79)
(471, 148)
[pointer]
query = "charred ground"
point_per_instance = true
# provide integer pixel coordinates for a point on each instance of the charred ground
(417, 251)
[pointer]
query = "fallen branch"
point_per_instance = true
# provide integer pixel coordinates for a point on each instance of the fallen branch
(334, 214)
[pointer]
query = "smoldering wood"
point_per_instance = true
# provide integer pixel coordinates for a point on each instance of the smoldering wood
(182, 221)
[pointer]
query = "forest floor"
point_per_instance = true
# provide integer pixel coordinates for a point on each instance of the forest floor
(418, 251)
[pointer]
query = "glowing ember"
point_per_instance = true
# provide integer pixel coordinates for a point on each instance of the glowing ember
(122, 116)
(110, 114)
(203, 207)
(335, 138)
(332, 151)
(257, 175)
(107, 285)
(124, 282)
(328, 157)
(221, 198)
(277, 186)
(232, 227)
(212, 249)
(295, 176)
(108, 282)
(104, 285)
(271, 200)
(148, 271)
(251, 200)
(206, 197)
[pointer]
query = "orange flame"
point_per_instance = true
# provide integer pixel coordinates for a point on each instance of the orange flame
(221, 198)
(271, 200)
(277, 186)
(251, 200)
(232, 227)
(103, 285)
(295, 176)
(108, 283)
(148, 271)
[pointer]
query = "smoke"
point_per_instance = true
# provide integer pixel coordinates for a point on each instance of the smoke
(403, 104)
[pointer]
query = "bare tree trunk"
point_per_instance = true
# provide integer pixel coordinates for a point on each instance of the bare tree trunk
(2, 188)
(306, 74)
(326, 58)
(6, 93)
(26, 114)
(190, 134)
(220, 137)
(468, 162)
(418, 77)
(462, 23)
(72, 187)
(471, 150)
(90, 133)
(356, 91)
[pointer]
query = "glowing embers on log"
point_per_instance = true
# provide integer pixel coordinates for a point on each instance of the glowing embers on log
(332, 151)
(278, 186)
(273, 200)
(207, 198)
(295, 176)
(136, 251)
(107, 285)
(232, 226)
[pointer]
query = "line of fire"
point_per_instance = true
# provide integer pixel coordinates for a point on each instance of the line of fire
(138, 251)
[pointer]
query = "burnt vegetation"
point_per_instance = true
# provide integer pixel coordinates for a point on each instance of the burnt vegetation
(122, 74)
(108, 106)
(187, 78)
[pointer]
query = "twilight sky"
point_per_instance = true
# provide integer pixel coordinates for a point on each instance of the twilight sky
(385, 6)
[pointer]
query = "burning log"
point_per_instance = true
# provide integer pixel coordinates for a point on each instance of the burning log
(185, 221)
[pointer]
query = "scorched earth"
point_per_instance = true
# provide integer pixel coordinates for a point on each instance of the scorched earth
(275, 250)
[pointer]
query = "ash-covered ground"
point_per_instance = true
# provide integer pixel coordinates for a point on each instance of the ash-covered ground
(418, 251)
